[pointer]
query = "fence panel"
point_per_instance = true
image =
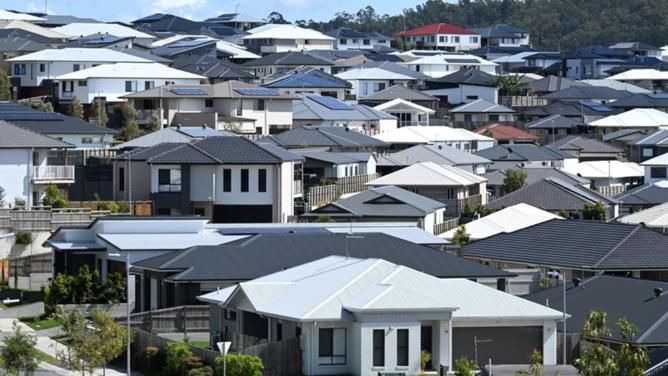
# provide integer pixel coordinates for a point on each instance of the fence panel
(448, 225)
(318, 196)
(172, 320)
(611, 190)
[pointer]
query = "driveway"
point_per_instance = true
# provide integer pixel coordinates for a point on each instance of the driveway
(26, 310)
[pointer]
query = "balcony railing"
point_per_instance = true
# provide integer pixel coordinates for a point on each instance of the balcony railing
(297, 187)
(53, 174)
(455, 207)
(146, 115)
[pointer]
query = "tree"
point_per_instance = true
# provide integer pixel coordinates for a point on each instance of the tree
(510, 84)
(514, 180)
(598, 359)
(594, 212)
(175, 354)
(152, 125)
(54, 198)
(98, 113)
(535, 365)
(461, 236)
(76, 109)
(130, 128)
(324, 219)
(5, 86)
(239, 365)
(2, 196)
(464, 367)
(276, 18)
(109, 337)
(18, 352)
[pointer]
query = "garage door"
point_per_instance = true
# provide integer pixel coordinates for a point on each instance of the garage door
(504, 345)
(242, 214)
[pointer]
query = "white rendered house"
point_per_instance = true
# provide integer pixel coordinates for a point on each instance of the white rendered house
(271, 38)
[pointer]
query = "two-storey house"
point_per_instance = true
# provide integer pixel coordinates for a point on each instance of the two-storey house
(442, 36)
(501, 35)
(272, 38)
(349, 39)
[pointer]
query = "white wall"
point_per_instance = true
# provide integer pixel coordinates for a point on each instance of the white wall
(648, 174)
(113, 88)
(16, 174)
(447, 41)
(459, 94)
(105, 140)
(358, 43)
(34, 76)
(236, 197)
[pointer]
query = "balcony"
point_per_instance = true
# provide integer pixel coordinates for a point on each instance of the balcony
(143, 116)
(297, 187)
(53, 174)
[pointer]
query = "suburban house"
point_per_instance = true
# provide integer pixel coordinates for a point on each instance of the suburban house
(481, 112)
(272, 38)
(458, 138)
(327, 165)
(372, 77)
(611, 175)
(237, 20)
(463, 86)
(613, 248)
(404, 93)
(650, 79)
(349, 39)
(504, 156)
(506, 134)
(277, 64)
(24, 164)
(503, 36)
(638, 118)
(230, 105)
(557, 196)
(407, 113)
(654, 217)
(441, 36)
(216, 70)
(656, 169)
(363, 316)
(551, 127)
(643, 197)
(384, 204)
(592, 62)
(170, 135)
(649, 146)
(496, 180)
(523, 60)
(582, 111)
(438, 154)
(81, 29)
(329, 137)
(597, 94)
(226, 179)
(437, 66)
(309, 80)
(586, 148)
(658, 101)
(456, 188)
(319, 110)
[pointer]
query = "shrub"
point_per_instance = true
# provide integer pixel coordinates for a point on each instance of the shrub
(53, 197)
(19, 202)
(203, 371)
(240, 365)
(151, 361)
(190, 364)
(175, 354)
(464, 367)
(324, 219)
(23, 238)
(425, 357)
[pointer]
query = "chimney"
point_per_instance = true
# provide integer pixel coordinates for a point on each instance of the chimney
(657, 292)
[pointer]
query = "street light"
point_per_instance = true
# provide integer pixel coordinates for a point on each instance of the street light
(557, 275)
(127, 298)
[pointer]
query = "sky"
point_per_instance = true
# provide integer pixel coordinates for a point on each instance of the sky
(128, 10)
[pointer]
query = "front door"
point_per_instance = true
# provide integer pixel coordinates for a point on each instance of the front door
(426, 343)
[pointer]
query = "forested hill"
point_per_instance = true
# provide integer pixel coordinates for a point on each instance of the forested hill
(553, 24)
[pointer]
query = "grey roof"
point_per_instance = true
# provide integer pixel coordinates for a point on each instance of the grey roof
(288, 58)
(619, 297)
(399, 91)
(47, 122)
(383, 202)
(554, 121)
(500, 31)
(211, 67)
(269, 253)
(552, 84)
(306, 77)
(535, 174)
(624, 134)
(553, 195)
(646, 195)
(319, 136)
(582, 245)
(14, 137)
(332, 157)
(583, 145)
(142, 54)
(310, 109)
(587, 92)
(522, 153)
(143, 154)
(345, 32)
(634, 46)
(171, 135)
(642, 100)
(439, 154)
(19, 44)
(660, 137)
(474, 77)
(573, 109)
(481, 106)
(394, 68)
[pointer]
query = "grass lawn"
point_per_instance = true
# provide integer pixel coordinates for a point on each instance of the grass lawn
(40, 324)
(202, 344)
(44, 357)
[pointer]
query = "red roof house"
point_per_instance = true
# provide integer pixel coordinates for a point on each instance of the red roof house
(506, 134)
(437, 28)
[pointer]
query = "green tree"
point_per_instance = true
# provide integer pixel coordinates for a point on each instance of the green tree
(535, 365)
(324, 219)
(276, 18)
(563, 214)
(464, 367)
(130, 128)
(239, 365)
(175, 354)
(76, 109)
(152, 125)
(510, 84)
(98, 113)
(18, 352)
(54, 198)
(595, 212)
(514, 180)
(109, 338)
(5, 86)
(599, 359)
(461, 236)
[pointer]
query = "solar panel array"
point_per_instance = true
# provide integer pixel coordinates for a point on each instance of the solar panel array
(597, 106)
(268, 92)
(186, 91)
(331, 103)
(11, 111)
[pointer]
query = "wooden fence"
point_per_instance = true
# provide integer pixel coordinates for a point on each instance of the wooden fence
(46, 218)
(455, 207)
(182, 319)
(611, 190)
(144, 339)
(318, 196)
(448, 225)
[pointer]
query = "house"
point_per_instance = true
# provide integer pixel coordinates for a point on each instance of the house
(504, 221)
(551, 84)
(656, 169)
(25, 167)
(495, 52)
(370, 78)
(526, 154)
(454, 187)
(501, 35)
(611, 248)
(200, 44)
(550, 127)
(14, 46)
(327, 165)
(411, 107)
(330, 137)
(496, 180)
(481, 112)
(237, 20)
(277, 64)
(598, 94)
(272, 38)
(109, 82)
(216, 70)
(438, 154)
(557, 196)
(321, 110)
(188, 47)
(644, 118)
(592, 62)
(654, 217)
(582, 111)
(586, 148)
(328, 305)
(643, 197)
(229, 105)
(637, 49)
(441, 36)
(505, 134)
(437, 66)
(171, 135)
(649, 146)
(463, 86)
(657, 101)
(349, 39)
(617, 85)
(384, 204)
(610, 174)
(650, 79)
(530, 61)
(309, 80)
(458, 138)
(99, 40)
(407, 113)
(623, 137)
(81, 29)
(34, 32)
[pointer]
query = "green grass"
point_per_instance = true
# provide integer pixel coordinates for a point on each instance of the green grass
(202, 344)
(40, 324)
(44, 357)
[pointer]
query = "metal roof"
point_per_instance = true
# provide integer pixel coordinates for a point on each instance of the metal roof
(587, 92)
(399, 91)
(439, 154)
(534, 174)
(428, 174)
(308, 77)
(521, 153)
(47, 122)
(330, 136)
(582, 144)
(554, 121)
(482, 106)
(171, 135)
(645, 195)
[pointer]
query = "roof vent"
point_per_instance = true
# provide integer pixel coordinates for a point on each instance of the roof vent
(658, 291)
(178, 126)
(576, 282)
(440, 147)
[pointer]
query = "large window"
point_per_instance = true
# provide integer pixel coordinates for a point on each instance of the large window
(262, 180)
(258, 105)
(130, 86)
(647, 152)
(658, 172)
(332, 346)
(244, 180)
(19, 69)
(379, 348)
(402, 347)
(169, 180)
(227, 180)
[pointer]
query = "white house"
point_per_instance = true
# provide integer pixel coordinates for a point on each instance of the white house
(610, 173)
(650, 79)
(24, 168)
(442, 36)
(349, 39)
(365, 316)
(441, 65)
(271, 38)
(643, 118)
(371, 78)
(81, 29)
(458, 138)
(47, 64)
(656, 169)
(407, 113)
(111, 81)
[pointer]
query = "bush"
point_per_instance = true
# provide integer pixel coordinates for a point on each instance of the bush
(464, 367)
(86, 287)
(190, 364)
(203, 371)
(175, 355)
(425, 357)
(240, 365)
(151, 361)
(19, 202)
(23, 238)
(53, 197)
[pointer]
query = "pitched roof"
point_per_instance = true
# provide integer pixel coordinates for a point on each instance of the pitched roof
(574, 109)
(80, 54)
(505, 132)
(617, 85)
(559, 243)
(648, 194)
(225, 89)
(467, 77)
(284, 31)
(521, 153)
(610, 169)
(642, 100)
(583, 145)
(554, 121)
(307, 77)
(211, 67)
(637, 117)
(401, 92)
(640, 75)
(53, 123)
(171, 135)
(19, 44)
(263, 254)
(381, 70)
(14, 137)
(7, 15)
(534, 174)
(425, 174)
(79, 29)
(330, 136)
(316, 107)
(33, 31)
(481, 105)
(552, 194)
(659, 160)
(437, 28)
(439, 154)
(506, 220)
(587, 92)
(288, 58)
(332, 157)
(500, 31)
(660, 137)
(656, 216)
(345, 32)
(553, 83)
(425, 135)
(129, 70)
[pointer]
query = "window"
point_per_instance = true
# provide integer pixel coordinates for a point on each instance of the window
(468, 117)
(402, 347)
(121, 179)
(76, 67)
(657, 172)
(343, 41)
(227, 180)
(258, 105)
(441, 38)
(365, 89)
(381, 86)
(366, 42)
(68, 86)
(262, 180)
(19, 69)
(240, 107)
(91, 140)
(471, 97)
(379, 348)
(82, 83)
(456, 39)
(474, 39)
(208, 103)
(332, 346)
(493, 117)
(244, 180)
(149, 85)
(647, 152)
(42, 67)
(130, 86)
(169, 180)
(450, 192)
(417, 67)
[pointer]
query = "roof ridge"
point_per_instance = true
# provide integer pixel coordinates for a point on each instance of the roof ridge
(618, 245)
(652, 328)
(196, 147)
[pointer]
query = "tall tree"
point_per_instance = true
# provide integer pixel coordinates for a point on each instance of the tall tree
(514, 180)
(276, 18)
(461, 236)
(98, 113)
(18, 352)
(5, 86)
(76, 109)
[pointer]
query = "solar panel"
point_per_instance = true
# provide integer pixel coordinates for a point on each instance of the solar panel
(268, 92)
(186, 91)
(331, 103)
(596, 106)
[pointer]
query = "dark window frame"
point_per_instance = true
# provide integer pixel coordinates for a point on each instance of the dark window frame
(378, 348)
(227, 180)
(326, 347)
(403, 345)
(262, 180)
(244, 180)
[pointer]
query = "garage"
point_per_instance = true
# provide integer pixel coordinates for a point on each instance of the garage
(504, 345)
(242, 214)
